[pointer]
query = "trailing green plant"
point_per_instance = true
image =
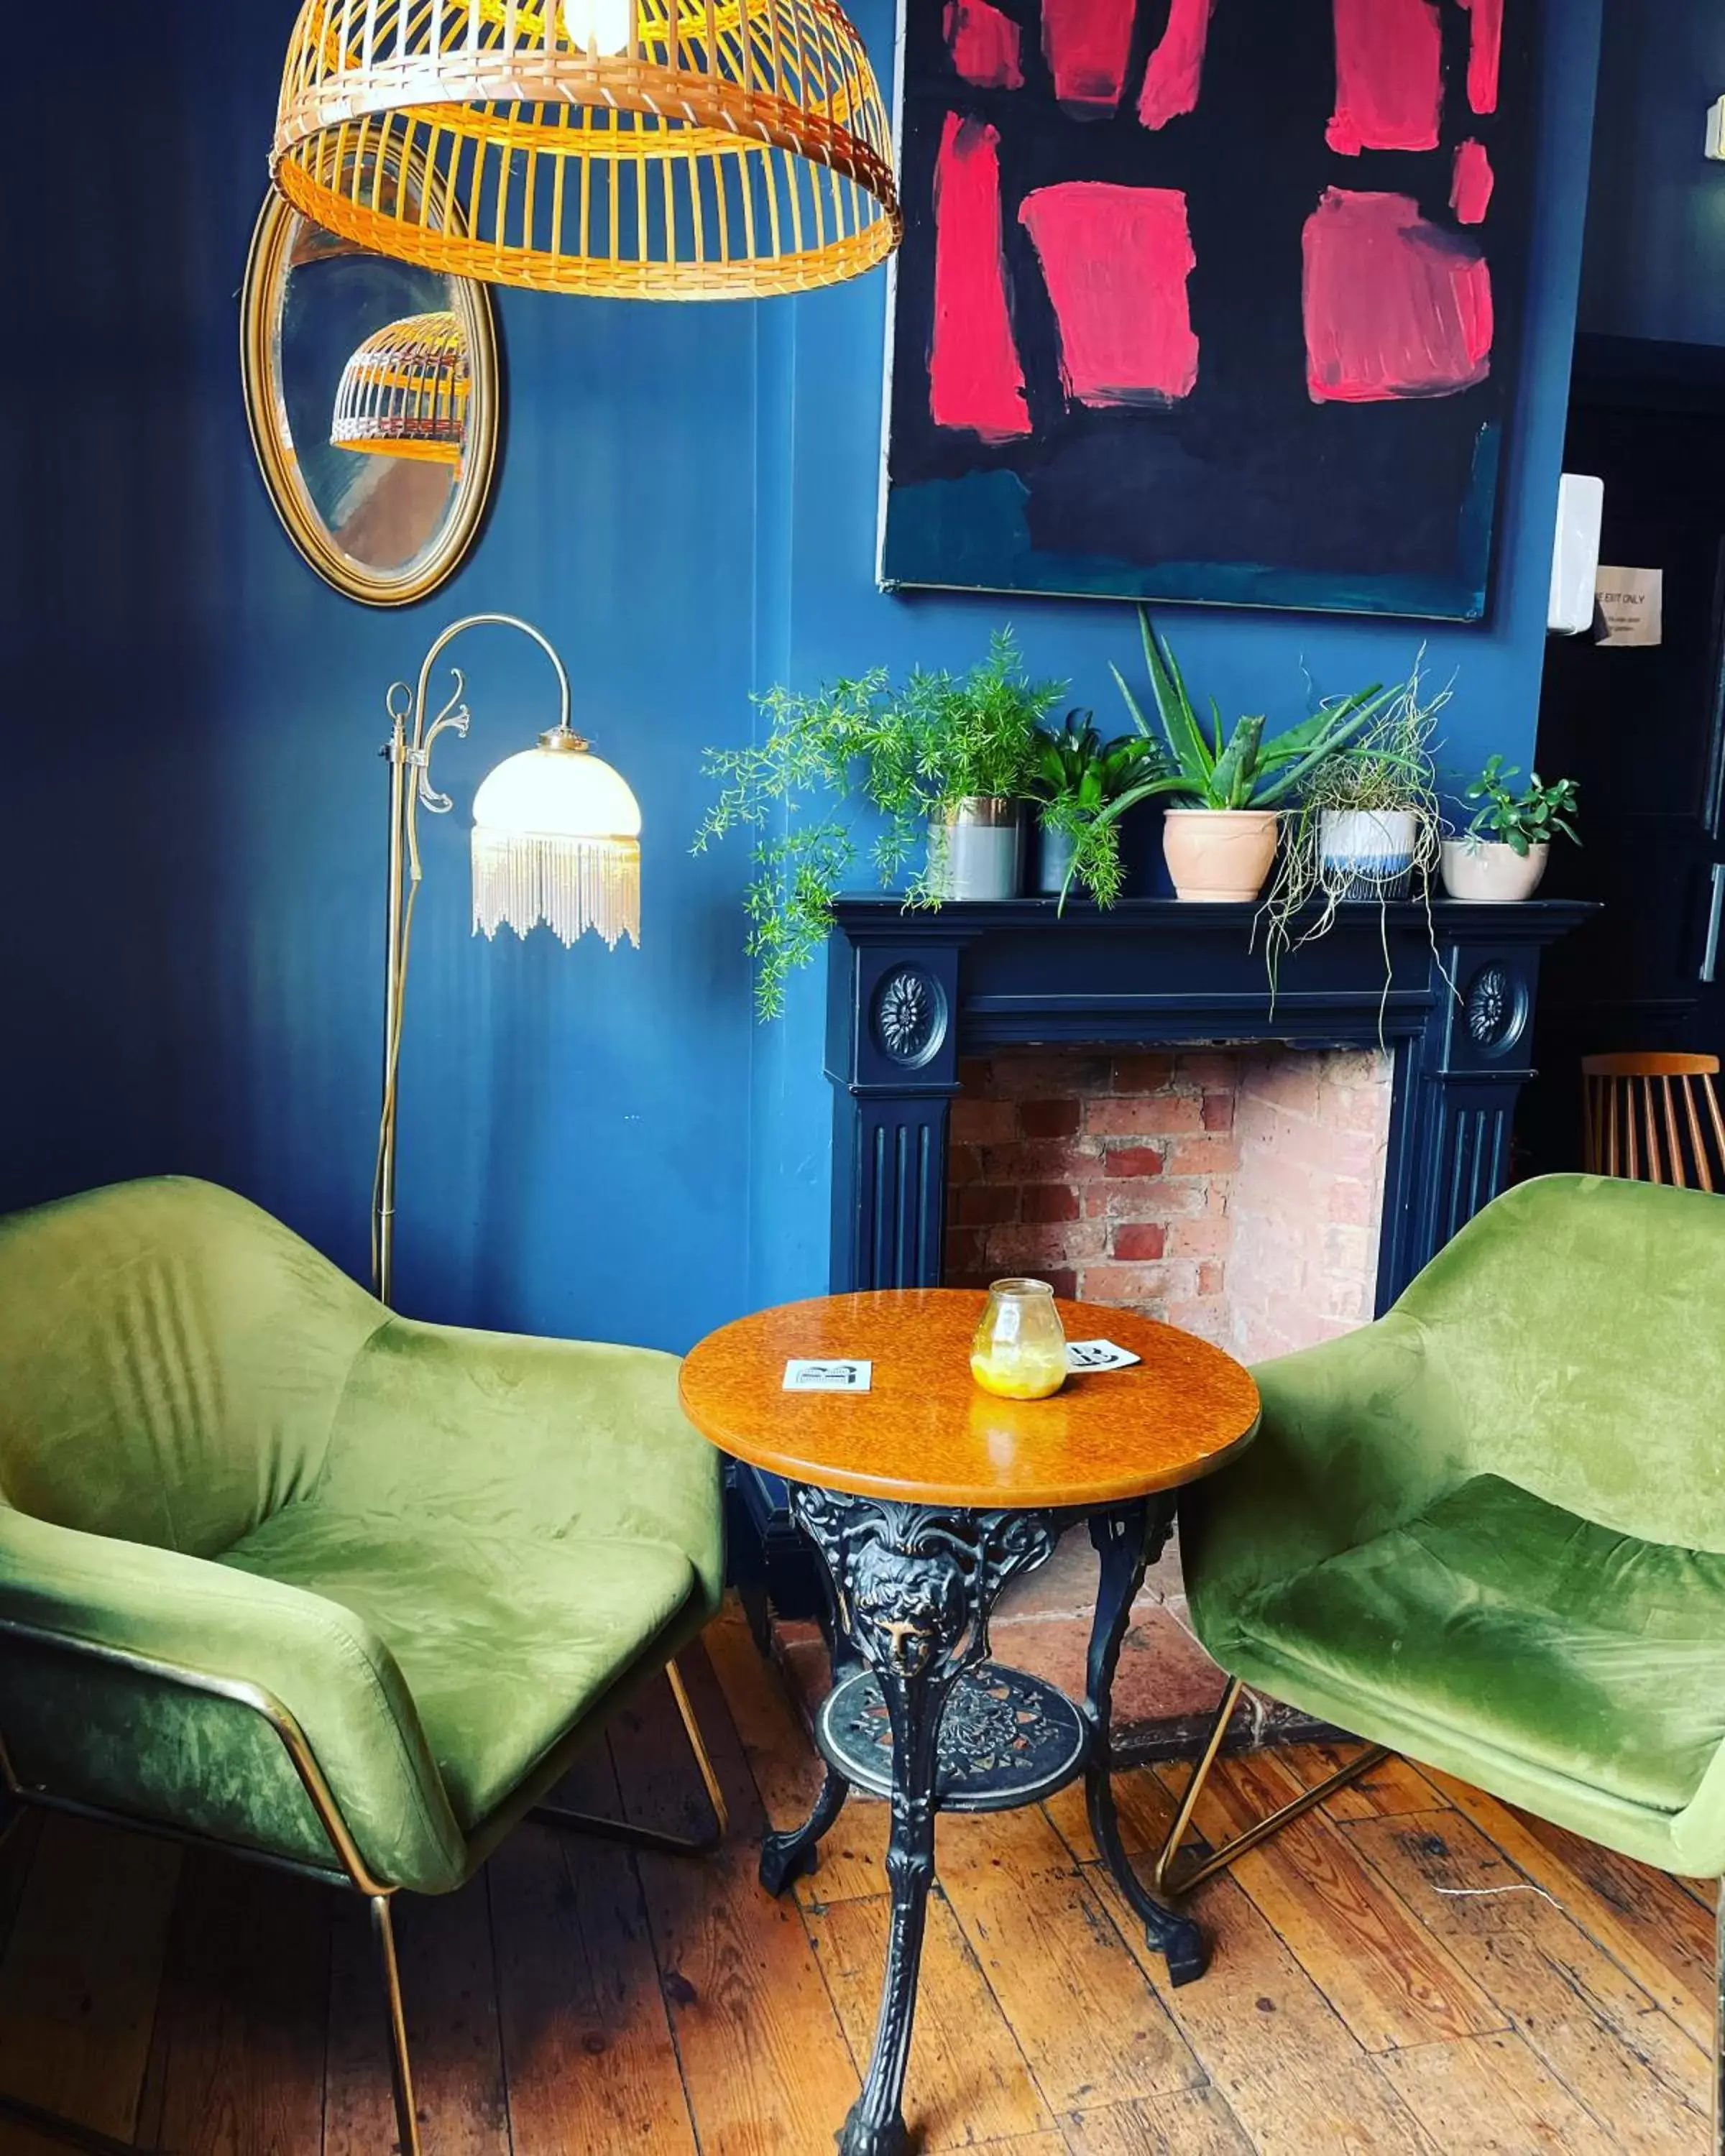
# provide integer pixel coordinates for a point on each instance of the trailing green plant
(910, 754)
(1519, 817)
(1385, 770)
(1075, 779)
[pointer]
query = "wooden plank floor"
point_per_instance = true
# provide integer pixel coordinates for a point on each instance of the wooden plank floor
(1416, 1969)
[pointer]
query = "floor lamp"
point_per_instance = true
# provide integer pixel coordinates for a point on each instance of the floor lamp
(557, 838)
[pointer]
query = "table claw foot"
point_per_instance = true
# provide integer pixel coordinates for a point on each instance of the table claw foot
(1181, 1943)
(858, 2137)
(796, 1852)
(785, 1857)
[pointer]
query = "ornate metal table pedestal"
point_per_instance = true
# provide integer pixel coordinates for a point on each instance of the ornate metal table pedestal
(912, 1587)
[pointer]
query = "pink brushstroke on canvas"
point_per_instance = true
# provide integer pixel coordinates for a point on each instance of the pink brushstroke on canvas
(974, 378)
(1484, 58)
(1088, 44)
(1116, 261)
(985, 45)
(1472, 183)
(1394, 306)
(1390, 81)
(1175, 73)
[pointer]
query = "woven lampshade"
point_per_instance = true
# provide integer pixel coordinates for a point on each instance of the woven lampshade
(634, 149)
(557, 838)
(404, 392)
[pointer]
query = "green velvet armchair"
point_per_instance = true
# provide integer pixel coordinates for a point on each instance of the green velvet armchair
(1488, 1531)
(281, 1570)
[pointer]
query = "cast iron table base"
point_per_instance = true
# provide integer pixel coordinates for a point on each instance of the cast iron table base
(912, 1589)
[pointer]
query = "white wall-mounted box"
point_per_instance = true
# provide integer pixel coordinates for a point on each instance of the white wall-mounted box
(1575, 554)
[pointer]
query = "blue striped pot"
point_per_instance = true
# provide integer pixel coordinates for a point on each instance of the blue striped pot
(1366, 853)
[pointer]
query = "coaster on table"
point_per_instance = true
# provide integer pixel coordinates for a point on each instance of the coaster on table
(830, 1374)
(1097, 1355)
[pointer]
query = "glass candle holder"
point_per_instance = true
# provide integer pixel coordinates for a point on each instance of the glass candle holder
(1019, 1350)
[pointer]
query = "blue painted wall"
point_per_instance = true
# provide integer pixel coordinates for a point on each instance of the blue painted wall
(192, 876)
(1655, 262)
(824, 368)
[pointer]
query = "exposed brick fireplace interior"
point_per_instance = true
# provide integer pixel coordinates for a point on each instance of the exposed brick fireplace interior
(1234, 1191)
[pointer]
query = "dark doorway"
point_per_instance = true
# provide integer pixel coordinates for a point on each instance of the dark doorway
(1641, 728)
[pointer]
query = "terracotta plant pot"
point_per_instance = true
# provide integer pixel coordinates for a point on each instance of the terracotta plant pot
(1220, 855)
(1489, 873)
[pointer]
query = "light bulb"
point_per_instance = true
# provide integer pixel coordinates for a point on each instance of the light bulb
(599, 26)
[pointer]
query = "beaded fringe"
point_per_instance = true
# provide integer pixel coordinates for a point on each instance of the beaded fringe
(569, 884)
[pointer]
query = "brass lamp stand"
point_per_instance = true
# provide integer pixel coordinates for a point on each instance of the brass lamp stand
(556, 838)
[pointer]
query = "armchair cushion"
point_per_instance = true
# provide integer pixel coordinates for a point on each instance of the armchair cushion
(1497, 1617)
(505, 1641)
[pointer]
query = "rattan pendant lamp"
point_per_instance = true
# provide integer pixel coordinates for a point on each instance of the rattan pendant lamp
(629, 149)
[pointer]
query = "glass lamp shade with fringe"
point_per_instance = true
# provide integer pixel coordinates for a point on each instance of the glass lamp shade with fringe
(405, 392)
(631, 149)
(557, 838)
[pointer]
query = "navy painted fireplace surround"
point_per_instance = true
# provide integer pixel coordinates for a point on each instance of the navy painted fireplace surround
(910, 993)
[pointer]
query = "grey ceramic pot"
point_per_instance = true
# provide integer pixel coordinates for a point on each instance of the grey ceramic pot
(977, 852)
(1054, 859)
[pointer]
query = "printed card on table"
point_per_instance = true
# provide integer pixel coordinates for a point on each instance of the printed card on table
(1097, 1355)
(829, 1374)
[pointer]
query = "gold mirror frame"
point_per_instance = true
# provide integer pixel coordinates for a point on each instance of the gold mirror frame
(261, 301)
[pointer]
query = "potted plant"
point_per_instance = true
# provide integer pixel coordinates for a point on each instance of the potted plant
(1501, 856)
(1219, 832)
(1380, 826)
(946, 763)
(1367, 824)
(1076, 776)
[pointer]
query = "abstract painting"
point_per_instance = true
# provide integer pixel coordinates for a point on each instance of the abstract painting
(1207, 299)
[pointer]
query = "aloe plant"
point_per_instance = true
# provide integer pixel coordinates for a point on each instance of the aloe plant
(1239, 769)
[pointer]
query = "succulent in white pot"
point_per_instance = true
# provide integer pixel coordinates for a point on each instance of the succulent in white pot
(1500, 858)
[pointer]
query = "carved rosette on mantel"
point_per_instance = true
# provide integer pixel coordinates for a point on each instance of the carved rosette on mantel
(909, 993)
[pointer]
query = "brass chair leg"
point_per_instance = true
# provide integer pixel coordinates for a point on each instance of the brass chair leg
(401, 2072)
(1163, 1873)
(1719, 2031)
(647, 1837)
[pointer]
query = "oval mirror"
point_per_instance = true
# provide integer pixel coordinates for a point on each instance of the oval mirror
(371, 391)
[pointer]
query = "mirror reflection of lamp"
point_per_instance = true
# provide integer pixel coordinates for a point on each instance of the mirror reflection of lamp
(405, 391)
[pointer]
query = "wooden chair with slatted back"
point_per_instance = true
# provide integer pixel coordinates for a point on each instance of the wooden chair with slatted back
(1654, 1117)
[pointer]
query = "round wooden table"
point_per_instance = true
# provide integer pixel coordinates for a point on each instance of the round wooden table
(925, 1496)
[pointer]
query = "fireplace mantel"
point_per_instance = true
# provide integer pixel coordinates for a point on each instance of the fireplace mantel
(909, 992)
